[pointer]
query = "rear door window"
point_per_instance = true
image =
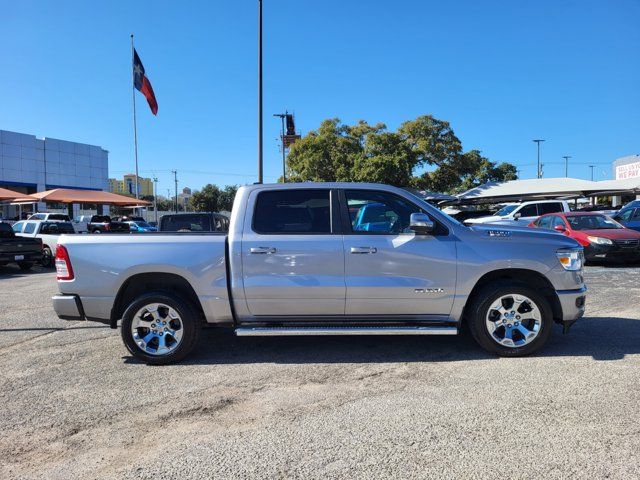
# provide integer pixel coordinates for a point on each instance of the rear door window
(293, 212)
(528, 211)
(186, 223)
(554, 207)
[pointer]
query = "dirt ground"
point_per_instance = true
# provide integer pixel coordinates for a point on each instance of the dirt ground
(76, 405)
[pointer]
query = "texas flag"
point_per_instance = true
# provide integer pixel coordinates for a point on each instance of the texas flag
(142, 84)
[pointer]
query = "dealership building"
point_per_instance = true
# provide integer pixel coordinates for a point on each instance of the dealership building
(29, 164)
(625, 168)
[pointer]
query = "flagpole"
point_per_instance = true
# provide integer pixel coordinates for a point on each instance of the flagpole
(135, 127)
(259, 91)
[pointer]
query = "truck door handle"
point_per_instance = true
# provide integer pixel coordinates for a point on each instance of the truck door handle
(364, 249)
(262, 250)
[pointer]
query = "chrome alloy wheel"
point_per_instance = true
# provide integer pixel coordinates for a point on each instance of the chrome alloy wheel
(513, 320)
(157, 329)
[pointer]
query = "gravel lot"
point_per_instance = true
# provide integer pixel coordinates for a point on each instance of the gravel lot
(76, 405)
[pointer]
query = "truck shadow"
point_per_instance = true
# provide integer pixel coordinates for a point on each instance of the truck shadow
(601, 338)
(13, 271)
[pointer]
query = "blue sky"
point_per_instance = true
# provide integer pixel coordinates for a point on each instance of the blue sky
(501, 72)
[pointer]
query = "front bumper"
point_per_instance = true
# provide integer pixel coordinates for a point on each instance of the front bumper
(572, 303)
(611, 252)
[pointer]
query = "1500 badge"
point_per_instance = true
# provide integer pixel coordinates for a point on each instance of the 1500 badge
(429, 290)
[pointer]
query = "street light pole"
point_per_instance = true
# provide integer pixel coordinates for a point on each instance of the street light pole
(259, 91)
(155, 197)
(538, 141)
(566, 165)
(284, 164)
(175, 180)
(591, 167)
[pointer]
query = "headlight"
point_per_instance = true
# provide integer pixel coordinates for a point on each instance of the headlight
(570, 259)
(599, 240)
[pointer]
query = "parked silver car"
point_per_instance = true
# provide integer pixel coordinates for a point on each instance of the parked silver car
(325, 259)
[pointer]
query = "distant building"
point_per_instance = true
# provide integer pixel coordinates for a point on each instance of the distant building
(184, 197)
(29, 165)
(127, 186)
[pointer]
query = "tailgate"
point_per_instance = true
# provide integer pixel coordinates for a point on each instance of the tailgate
(12, 247)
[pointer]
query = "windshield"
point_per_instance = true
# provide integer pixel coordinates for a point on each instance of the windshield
(506, 210)
(142, 224)
(592, 222)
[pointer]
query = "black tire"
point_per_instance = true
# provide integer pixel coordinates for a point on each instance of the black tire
(191, 325)
(25, 266)
(477, 311)
(47, 257)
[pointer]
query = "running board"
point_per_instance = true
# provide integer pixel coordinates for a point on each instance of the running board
(308, 331)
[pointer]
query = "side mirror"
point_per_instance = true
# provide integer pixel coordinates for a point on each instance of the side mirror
(421, 224)
(560, 228)
(516, 216)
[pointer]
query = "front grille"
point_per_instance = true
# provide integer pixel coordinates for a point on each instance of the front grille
(630, 243)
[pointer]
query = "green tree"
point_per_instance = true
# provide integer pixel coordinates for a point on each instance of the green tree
(226, 197)
(164, 204)
(364, 152)
(207, 199)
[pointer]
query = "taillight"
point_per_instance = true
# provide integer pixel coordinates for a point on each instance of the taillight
(107, 227)
(64, 271)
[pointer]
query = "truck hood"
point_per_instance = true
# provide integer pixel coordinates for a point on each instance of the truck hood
(510, 233)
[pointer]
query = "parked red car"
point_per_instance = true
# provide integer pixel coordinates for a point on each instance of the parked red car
(602, 237)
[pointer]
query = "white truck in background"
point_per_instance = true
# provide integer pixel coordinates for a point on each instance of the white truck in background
(47, 231)
(520, 214)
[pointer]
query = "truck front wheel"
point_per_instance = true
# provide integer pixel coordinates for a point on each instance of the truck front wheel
(510, 319)
(159, 328)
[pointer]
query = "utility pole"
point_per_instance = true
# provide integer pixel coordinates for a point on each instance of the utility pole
(284, 161)
(591, 167)
(538, 141)
(175, 181)
(155, 197)
(259, 91)
(566, 165)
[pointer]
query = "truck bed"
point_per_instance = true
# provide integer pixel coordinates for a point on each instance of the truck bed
(105, 262)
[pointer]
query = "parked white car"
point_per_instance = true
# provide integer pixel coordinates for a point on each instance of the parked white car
(50, 217)
(47, 231)
(522, 213)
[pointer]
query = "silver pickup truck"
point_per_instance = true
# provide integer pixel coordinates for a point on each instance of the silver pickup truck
(325, 259)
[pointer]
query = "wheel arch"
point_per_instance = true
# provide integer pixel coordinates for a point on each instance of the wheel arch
(520, 275)
(169, 283)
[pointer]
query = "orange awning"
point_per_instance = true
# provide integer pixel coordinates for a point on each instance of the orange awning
(69, 195)
(10, 194)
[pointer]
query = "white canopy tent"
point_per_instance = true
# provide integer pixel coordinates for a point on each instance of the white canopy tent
(541, 188)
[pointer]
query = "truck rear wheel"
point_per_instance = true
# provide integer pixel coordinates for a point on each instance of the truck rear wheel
(510, 319)
(159, 328)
